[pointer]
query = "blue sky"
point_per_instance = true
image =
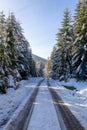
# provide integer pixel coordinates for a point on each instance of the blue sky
(40, 20)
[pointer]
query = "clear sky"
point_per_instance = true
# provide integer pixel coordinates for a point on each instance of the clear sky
(40, 20)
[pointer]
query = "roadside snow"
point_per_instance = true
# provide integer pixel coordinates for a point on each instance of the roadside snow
(44, 115)
(75, 100)
(10, 101)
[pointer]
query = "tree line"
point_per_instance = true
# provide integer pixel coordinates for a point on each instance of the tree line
(16, 62)
(69, 56)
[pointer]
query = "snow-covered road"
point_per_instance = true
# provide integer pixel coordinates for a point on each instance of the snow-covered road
(44, 115)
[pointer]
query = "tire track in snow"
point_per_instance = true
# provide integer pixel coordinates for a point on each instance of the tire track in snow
(31, 106)
(44, 115)
(22, 115)
(65, 116)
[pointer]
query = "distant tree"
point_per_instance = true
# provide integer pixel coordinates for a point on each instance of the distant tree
(40, 70)
(34, 73)
(48, 67)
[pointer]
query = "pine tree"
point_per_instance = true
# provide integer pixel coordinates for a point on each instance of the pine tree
(17, 48)
(2, 42)
(48, 67)
(16, 61)
(80, 32)
(33, 69)
(3, 54)
(62, 60)
(56, 65)
(40, 70)
(11, 40)
(50, 61)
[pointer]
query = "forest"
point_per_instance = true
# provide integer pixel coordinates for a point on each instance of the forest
(69, 56)
(16, 62)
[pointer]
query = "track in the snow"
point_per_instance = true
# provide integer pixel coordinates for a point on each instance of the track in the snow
(31, 106)
(69, 120)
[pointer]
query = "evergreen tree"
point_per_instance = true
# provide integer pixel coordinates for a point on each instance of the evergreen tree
(48, 67)
(62, 61)
(11, 40)
(80, 32)
(3, 55)
(16, 61)
(57, 65)
(2, 43)
(33, 69)
(40, 70)
(18, 48)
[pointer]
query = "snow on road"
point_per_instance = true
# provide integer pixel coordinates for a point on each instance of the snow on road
(76, 101)
(44, 115)
(10, 101)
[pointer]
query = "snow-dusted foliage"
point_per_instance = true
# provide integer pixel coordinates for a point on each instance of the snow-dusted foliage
(80, 32)
(40, 70)
(15, 53)
(62, 60)
(70, 58)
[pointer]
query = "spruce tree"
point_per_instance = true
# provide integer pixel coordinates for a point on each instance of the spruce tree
(62, 61)
(10, 40)
(56, 65)
(40, 70)
(80, 32)
(16, 61)
(17, 48)
(2, 43)
(3, 54)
